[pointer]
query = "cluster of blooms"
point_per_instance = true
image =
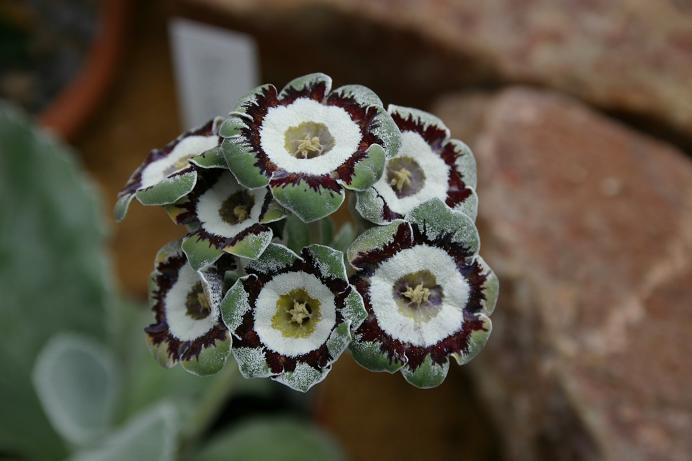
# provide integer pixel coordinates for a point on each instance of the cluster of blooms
(416, 291)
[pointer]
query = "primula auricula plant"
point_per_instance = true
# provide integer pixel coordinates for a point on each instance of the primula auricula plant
(260, 274)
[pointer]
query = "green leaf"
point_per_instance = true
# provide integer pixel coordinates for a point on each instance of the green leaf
(54, 274)
(151, 436)
(277, 439)
(76, 380)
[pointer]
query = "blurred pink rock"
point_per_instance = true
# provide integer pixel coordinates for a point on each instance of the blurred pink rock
(589, 226)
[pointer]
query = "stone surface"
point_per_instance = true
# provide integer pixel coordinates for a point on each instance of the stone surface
(629, 56)
(589, 226)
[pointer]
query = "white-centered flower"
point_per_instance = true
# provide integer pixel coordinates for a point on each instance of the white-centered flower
(308, 143)
(169, 173)
(188, 326)
(291, 315)
(224, 217)
(428, 292)
(428, 165)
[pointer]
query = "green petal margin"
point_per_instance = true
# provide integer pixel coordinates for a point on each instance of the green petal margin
(169, 190)
(242, 161)
(491, 287)
(388, 132)
(373, 239)
(300, 83)
(235, 304)
(199, 251)
(252, 245)
(476, 341)
(368, 170)
(362, 95)
(121, 206)
(232, 126)
(435, 218)
(210, 360)
(427, 375)
(354, 309)
(274, 212)
(330, 262)
(303, 377)
(420, 116)
(466, 163)
(251, 99)
(275, 258)
(307, 203)
(251, 362)
(338, 340)
(370, 206)
(212, 158)
(469, 206)
(370, 356)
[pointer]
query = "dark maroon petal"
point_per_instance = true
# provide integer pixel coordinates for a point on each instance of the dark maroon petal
(256, 110)
(457, 190)
(316, 91)
(368, 262)
(432, 134)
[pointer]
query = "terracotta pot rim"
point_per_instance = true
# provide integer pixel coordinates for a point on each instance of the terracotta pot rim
(67, 113)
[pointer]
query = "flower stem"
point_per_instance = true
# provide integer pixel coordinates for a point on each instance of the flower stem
(212, 402)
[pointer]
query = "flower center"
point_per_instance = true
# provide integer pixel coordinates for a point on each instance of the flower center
(197, 303)
(405, 176)
(418, 295)
(308, 140)
(236, 208)
(297, 314)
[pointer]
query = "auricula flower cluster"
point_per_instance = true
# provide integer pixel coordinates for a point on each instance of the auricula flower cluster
(260, 274)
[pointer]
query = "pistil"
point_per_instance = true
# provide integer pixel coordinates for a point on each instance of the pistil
(417, 295)
(308, 146)
(401, 178)
(299, 312)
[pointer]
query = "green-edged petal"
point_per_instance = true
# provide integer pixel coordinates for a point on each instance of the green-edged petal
(354, 309)
(212, 158)
(469, 206)
(303, 377)
(435, 219)
(169, 190)
(491, 287)
(385, 129)
(427, 375)
(252, 244)
(370, 356)
(308, 203)
(465, 163)
(368, 170)
(199, 251)
(242, 161)
(275, 258)
(232, 125)
(235, 304)
(362, 95)
(420, 117)
(121, 206)
(329, 262)
(273, 213)
(210, 360)
(339, 340)
(160, 353)
(307, 81)
(370, 206)
(251, 99)
(476, 341)
(251, 362)
(373, 239)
